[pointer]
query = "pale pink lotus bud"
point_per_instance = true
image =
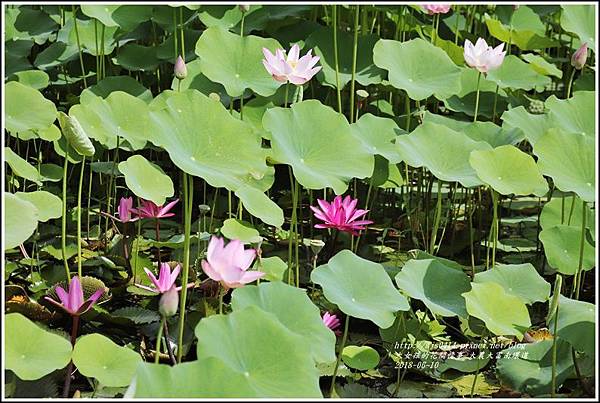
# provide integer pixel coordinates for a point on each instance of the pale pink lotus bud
(180, 68)
(169, 302)
(580, 56)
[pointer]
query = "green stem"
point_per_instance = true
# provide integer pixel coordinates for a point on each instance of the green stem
(477, 98)
(568, 95)
(553, 390)
(438, 216)
(64, 213)
(79, 269)
(495, 226)
(292, 234)
(495, 104)
(79, 45)
(354, 55)
(188, 195)
(577, 282)
(339, 357)
(335, 53)
(287, 90)
(159, 338)
(221, 295)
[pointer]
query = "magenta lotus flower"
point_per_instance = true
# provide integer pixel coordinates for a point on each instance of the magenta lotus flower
(331, 321)
(580, 56)
(293, 69)
(482, 57)
(166, 279)
(150, 210)
(72, 301)
(229, 264)
(341, 215)
(124, 211)
(436, 8)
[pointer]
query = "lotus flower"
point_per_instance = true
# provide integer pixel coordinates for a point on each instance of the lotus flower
(482, 57)
(150, 210)
(229, 264)
(166, 279)
(124, 211)
(293, 69)
(180, 68)
(436, 8)
(580, 56)
(331, 321)
(72, 301)
(341, 215)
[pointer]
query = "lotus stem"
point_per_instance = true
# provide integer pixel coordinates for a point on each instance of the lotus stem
(79, 45)
(157, 231)
(291, 236)
(74, 329)
(477, 98)
(188, 196)
(570, 83)
(89, 201)
(137, 250)
(287, 90)
(64, 214)
(79, 269)
(495, 196)
(354, 55)
(495, 104)
(163, 320)
(167, 344)
(438, 216)
(339, 357)
(553, 390)
(577, 282)
(476, 372)
(335, 54)
(221, 295)
(571, 210)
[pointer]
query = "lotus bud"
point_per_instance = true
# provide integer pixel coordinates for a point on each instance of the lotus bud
(169, 301)
(244, 8)
(204, 209)
(580, 56)
(180, 68)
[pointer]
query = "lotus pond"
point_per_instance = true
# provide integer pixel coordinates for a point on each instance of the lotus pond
(333, 200)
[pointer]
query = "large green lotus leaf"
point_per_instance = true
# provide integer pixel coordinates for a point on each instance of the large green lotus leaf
(198, 81)
(49, 205)
(221, 16)
(503, 313)
(204, 140)
(321, 40)
(26, 108)
(418, 67)
(553, 213)
(443, 151)
(377, 135)
(21, 167)
(562, 245)
(108, 85)
(136, 57)
(521, 280)
(362, 358)
(579, 19)
(524, 38)
(20, 220)
(464, 100)
(531, 372)
(35, 79)
(75, 135)
(275, 361)
(514, 73)
(56, 54)
(127, 17)
(576, 324)
(236, 62)
(541, 65)
(209, 377)
(240, 230)
(437, 285)
(573, 115)
(569, 159)
(360, 288)
(318, 143)
(98, 357)
(509, 170)
(489, 132)
(146, 180)
(294, 309)
(260, 17)
(274, 268)
(25, 22)
(119, 115)
(32, 352)
(532, 126)
(89, 32)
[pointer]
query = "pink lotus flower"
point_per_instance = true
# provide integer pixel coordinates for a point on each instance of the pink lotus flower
(124, 211)
(150, 210)
(436, 8)
(229, 264)
(72, 301)
(482, 57)
(180, 68)
(341, 215)
(580, 56)
(293, 69)
(331, 321)
(166, 279)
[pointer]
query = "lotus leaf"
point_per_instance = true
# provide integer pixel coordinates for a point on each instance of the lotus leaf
(20, 220)
(521, 280)
(562, 246)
